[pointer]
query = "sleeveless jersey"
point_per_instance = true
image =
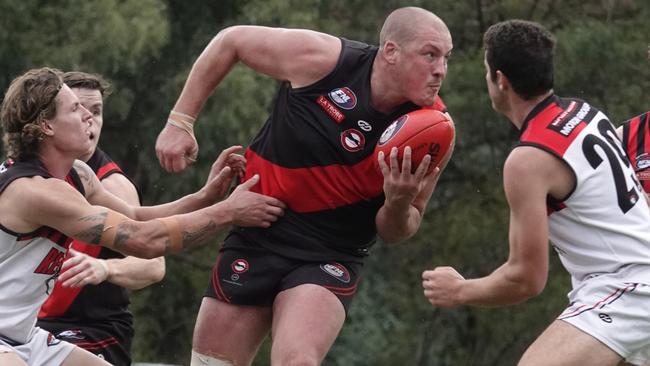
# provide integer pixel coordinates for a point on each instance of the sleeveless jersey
(104, 305)
(315, 153)
(604, 223)
(636, 142)
(29, 262)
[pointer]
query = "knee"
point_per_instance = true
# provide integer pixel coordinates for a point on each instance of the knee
(296, 358)
(199, 359)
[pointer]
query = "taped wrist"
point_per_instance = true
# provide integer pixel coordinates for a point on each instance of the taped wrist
(113, 219)
(186, 123)
(174, 233)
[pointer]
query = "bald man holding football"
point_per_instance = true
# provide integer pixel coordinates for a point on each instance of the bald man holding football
(315, 153)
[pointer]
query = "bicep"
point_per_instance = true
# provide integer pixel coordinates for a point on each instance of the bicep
(299, 56)
(56, 204)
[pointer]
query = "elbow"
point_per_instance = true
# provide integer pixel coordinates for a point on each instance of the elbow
(158, 272)
(528, 288)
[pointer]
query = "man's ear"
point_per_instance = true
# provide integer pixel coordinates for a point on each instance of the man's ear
(502, 81)
(46, 127)
(390, 51)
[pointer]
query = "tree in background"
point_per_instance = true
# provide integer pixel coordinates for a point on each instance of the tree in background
(146, 47)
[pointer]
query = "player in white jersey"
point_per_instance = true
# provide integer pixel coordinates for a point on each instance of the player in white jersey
(568, 180)
(47, 198)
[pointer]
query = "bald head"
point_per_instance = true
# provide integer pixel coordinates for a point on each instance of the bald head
(403, 24)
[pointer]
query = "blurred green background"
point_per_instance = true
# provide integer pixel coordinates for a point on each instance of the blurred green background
(146, 48)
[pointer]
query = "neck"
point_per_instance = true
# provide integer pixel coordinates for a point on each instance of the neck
(521, 108)
(57, 164)
(384, 97)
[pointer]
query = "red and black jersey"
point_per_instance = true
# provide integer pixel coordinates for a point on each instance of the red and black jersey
(103, 305)
(636, 142)
(315, 153)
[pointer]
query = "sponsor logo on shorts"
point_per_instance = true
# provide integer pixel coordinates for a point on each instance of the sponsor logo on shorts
(239, 266)
(392, 130)
(605, 317)
(643, 161)
(337, 271)
(71, 334)
(330, 109)
(52, 340)
(343, 97)
(352, 140)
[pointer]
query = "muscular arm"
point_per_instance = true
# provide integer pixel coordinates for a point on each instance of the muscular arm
(529, 176)
(299, 56)
(29, 203)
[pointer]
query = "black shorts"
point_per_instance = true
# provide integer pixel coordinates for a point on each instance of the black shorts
(108, 346)
(246, 274)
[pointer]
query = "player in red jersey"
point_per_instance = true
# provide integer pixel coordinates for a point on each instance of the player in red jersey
(315, 153)
(567, 181)
(95, 316)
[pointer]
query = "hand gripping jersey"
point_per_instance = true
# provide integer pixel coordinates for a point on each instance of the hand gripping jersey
(636, 142)
(604, 223)
(29, 262)
(315, 153)
(104, 305)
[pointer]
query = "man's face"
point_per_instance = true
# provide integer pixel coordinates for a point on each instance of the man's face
(71, 124)
(422, 64)
(92, 100)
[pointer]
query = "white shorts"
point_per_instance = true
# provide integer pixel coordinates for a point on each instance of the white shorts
(615, 312)
(42, 350)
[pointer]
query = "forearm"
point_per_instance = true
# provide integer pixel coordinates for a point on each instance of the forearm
(153, 238)
(189, 203)
(504, 286)
(135, 273)
(210, 68)
(397, 224)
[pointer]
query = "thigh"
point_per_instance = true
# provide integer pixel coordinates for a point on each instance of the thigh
(81, 357)
(9, 358)
(339, 278)
(230, 332)
(562, 344)
(306, 321)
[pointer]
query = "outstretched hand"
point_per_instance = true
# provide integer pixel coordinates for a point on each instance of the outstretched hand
(224, 169)
(176, 149)
(254, 209)
(80, 269)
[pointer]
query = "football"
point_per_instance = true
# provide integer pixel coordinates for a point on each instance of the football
(426, 131)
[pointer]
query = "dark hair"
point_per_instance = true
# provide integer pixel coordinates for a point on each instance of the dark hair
(78, 79)
(523, 51)
(29, 99)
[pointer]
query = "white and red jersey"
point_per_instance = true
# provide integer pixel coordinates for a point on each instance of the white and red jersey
(29, 262)
(603, 225)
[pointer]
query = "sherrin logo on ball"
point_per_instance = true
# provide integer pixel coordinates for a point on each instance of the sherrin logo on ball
(426, 131)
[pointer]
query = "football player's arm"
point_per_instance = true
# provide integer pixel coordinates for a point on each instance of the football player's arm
(129, 272)
(96, 194)
(298, 56)
(524, 274)
(54, 203)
